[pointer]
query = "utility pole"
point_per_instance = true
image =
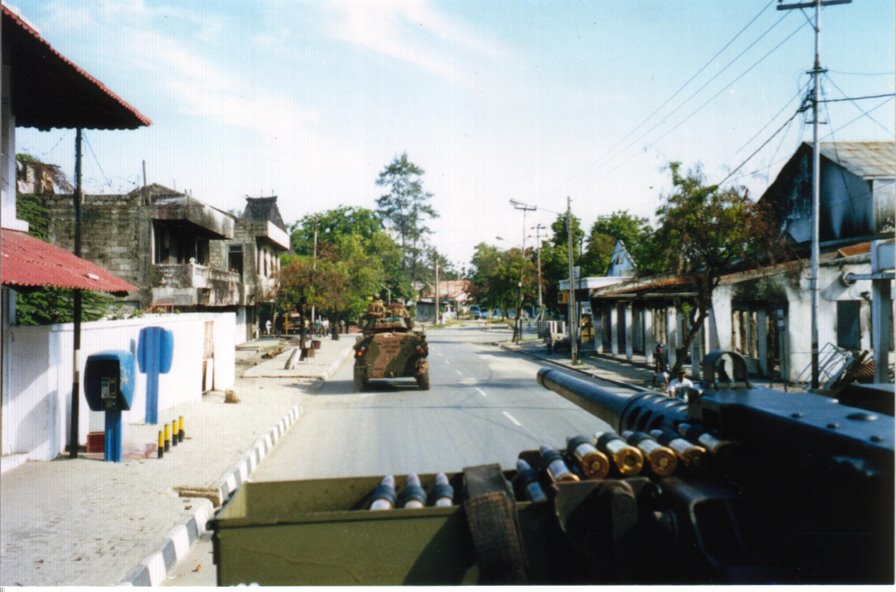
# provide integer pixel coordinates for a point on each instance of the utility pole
(518, 321)
(538, 228)
(571, 316)
(437, 290)
(77, 303)
(816, 173)
(314, 267)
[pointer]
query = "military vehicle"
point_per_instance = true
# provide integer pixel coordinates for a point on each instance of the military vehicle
(390, 347)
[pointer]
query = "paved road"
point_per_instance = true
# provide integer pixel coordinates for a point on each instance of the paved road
(484, 406)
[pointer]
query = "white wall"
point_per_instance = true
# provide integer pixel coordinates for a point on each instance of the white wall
(37, 398)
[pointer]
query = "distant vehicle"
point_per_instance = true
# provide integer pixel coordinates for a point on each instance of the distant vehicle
(390, 347)
(475, 312)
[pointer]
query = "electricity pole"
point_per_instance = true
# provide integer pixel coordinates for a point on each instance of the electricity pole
(538, 228)
(518, 322)
(571, 316)
(816, 165)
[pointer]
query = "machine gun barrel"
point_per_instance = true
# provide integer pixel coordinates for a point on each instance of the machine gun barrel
(642, 411)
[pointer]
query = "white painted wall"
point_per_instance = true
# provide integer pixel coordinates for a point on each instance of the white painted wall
(37, 400)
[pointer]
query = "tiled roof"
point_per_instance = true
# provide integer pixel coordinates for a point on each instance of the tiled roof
(26, 261)
(51, 91)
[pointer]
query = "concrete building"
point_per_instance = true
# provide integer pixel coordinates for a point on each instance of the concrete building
(253, 254)
(765, 313)
(183, 254)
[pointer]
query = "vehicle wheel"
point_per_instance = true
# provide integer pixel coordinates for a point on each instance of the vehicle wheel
(423, 381)
(359, 383)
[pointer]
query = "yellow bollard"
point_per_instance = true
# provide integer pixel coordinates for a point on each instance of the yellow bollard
(180, 430)
(167, 437)
(161, 444)
(174, 432)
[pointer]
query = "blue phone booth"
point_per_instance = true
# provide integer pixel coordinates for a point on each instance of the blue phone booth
(109, 387)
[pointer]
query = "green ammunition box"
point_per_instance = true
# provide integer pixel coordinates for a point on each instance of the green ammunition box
(320, 532)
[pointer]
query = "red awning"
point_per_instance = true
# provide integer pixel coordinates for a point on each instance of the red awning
(30, 262)
(51, 91)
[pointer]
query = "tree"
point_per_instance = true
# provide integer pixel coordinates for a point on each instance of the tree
(502, 279)
(704, 232)
(634, 232)
(405, 209)
(342, 257)
(555, 260)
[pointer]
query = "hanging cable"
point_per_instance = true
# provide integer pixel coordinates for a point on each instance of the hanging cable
(602, 160)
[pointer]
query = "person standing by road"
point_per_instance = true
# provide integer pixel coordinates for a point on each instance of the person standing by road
(681, 382)
(660, 366)
(267, 326)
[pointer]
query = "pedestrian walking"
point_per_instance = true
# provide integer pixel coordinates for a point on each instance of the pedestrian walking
(267, 326)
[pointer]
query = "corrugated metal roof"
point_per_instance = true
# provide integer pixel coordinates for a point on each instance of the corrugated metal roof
(866, 159)
(30, 262)
(51, 91)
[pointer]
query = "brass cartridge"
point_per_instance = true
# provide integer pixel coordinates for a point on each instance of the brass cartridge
(661, 459)
(628, 460)
(690, 455)
(593, 462)
(712, 444)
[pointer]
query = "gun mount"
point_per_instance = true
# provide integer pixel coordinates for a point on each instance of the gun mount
(738, 485)
(796, 488)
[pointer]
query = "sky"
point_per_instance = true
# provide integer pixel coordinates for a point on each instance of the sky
(535, 101)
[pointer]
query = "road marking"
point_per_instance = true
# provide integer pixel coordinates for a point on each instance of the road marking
(447, 362)
(511, 418)
(481, 392)
(458, 371)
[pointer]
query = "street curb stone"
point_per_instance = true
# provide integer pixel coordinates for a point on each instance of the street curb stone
(153, 570)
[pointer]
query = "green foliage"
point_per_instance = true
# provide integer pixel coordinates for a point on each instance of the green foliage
(45, 306)
(555, 260)
(503, 279)
(634, 232)
(355, 258)
(704, 232)
(405, 210)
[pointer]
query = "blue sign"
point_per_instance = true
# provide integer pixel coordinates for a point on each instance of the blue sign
(155, 352)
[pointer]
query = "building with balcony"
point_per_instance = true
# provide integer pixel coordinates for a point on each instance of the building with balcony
(260, 237)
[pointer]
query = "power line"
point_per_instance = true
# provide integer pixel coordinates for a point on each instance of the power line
(853, 99)
(707, 102)
(712, 98)
(858, 98)
(601, 160)
(774, 117)
(689, 80)
(763, 145)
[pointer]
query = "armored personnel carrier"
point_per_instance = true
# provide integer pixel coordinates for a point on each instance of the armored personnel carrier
(390, 347)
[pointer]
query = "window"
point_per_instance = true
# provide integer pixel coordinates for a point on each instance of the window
(849, 334)
(235, 259)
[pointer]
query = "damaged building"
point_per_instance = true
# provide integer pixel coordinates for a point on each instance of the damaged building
(765, 313)
(183, 254)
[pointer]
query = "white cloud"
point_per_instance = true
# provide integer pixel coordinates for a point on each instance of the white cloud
(184, 67)
(413, 31)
